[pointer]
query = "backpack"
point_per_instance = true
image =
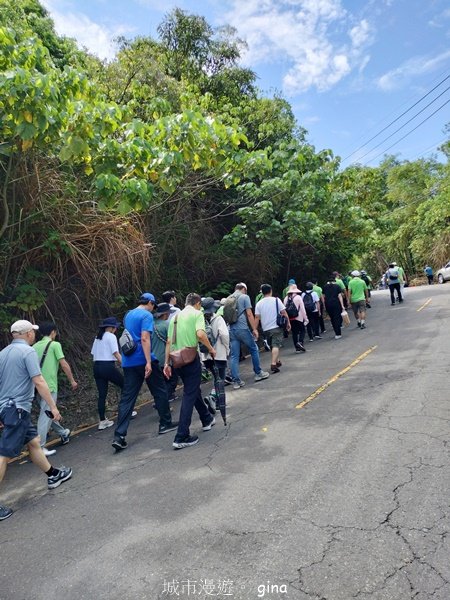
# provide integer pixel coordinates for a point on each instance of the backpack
(393, 274)
(365, 279)
(291, 308)
(212, 340)
(308, 301)
(230, 309)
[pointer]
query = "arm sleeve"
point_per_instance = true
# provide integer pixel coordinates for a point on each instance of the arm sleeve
(258, 309)
(32, 364)
(200, 322)
(147, 323)
(246, 302)
(112, 344)
(57, 350)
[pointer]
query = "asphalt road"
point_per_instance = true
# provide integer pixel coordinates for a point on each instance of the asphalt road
(347, 497)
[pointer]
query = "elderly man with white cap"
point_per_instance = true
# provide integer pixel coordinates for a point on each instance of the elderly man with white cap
(358, 295)
(20, 374)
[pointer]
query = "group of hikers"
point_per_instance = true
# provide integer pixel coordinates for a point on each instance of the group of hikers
(160, 345)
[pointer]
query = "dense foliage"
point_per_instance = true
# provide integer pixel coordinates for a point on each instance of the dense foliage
(167, 168)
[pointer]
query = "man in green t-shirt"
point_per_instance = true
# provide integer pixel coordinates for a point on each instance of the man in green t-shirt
(358, 296)
(50, 363)
(186, 329)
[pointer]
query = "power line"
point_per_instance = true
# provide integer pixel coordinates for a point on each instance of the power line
(404, 125)
(397, 118)
(432, 148)
(409, 132)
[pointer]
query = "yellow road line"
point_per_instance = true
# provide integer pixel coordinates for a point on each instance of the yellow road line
(423, 305)
(323, 387)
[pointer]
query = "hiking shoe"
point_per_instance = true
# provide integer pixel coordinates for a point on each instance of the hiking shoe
(65, 439)
(105, 424)
(300, 348)
(5, 512)
(48, 452)
(120, 444)
(238, 384)
(317, 337)
(166, 428)
(185, 442)
(210, 425)
(261, 375)
(64, 473)
(337, 337)
(274, 369)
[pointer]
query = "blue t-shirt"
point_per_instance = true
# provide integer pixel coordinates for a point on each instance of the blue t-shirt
(428, 270)
(243, 302)
(136, 321)
(19, 363)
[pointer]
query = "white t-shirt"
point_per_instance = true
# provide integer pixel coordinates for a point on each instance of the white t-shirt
(315, 298)
(268, 309)
(174, 310)
(104, 349)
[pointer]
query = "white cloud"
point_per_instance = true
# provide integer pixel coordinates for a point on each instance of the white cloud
(412, 68)
(97, 38)
(307, 36)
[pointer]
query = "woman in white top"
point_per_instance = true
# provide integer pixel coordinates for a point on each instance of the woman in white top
(105, 352)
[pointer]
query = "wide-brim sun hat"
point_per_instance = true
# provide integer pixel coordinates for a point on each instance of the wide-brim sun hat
(110, 322)
(293, 289)
(163, 308)
(210, 305)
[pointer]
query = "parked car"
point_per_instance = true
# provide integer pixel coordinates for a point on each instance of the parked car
(443, 274)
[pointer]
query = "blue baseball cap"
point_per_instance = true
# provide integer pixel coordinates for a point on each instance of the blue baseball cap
(291, 281)
(147, 297)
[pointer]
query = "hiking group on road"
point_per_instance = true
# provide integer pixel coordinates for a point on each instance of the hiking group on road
(160, 345)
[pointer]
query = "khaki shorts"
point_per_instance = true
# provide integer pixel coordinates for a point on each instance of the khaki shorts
(274, 337)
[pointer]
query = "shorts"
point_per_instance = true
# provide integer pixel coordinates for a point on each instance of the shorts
(17, 431)
(357, 306)
(274, 337)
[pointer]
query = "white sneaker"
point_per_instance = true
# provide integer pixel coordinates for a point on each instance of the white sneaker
(105, 424)
(261, 375)
(48, 452)
(134, 414)
(337, 337)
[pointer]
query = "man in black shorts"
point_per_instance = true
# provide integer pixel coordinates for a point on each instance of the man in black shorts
(19, 375)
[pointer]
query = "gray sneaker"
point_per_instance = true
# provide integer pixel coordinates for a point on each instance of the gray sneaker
(64, 473)
(238, 384)
(261, 375)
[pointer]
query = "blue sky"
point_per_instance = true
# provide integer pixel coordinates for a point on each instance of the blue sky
(348, 67)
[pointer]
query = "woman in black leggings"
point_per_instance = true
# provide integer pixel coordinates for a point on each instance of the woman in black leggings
(105, 352)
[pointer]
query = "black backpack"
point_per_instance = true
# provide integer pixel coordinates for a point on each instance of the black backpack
(308, 301)
(291, 309)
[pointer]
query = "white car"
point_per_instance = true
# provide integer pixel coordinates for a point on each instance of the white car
(444, 273)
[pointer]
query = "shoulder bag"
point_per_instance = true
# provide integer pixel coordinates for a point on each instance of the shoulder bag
(183, 356)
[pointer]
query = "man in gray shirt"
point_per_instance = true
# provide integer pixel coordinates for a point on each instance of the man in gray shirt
(244, 331)
(20, 373)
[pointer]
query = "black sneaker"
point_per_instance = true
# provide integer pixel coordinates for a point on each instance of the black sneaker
(359, 324)
(64, 473)
(166, 428)
(300, 348)
(120, 444)
(189, 440)
(363, 325)
(5, 512)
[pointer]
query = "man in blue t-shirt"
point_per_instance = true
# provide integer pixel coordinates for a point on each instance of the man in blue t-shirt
(142, 365)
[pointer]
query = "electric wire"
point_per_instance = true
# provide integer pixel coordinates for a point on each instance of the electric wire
(408, 133)
(404, 125)
(397, 118)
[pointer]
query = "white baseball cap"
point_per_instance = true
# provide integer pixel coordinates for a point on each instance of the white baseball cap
(356, 274)
(23, 326)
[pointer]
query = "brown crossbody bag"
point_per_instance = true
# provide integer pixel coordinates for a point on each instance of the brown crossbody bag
(183, 356)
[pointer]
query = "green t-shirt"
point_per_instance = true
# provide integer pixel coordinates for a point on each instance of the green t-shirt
(401, 274)
(51, 362)
(340, 283)
(357, 288)
(318, 290)
(188, 323)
